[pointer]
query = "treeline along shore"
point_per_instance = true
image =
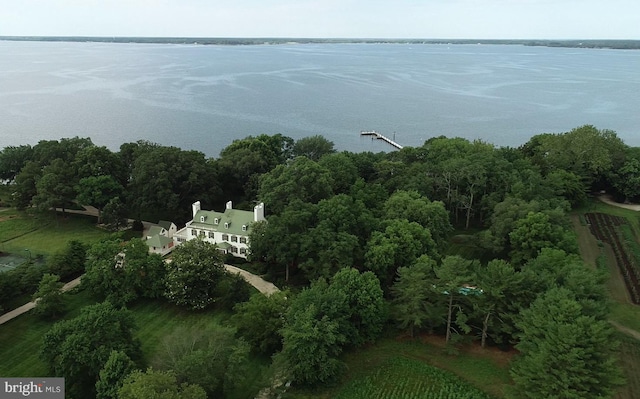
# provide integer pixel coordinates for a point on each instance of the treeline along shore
(236, 41)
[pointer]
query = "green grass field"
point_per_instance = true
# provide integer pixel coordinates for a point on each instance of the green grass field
(42, 235)
(21, 338)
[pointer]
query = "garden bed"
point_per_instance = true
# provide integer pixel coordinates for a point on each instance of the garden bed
(607, 228)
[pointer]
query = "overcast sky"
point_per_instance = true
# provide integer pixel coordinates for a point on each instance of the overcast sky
(482, 19)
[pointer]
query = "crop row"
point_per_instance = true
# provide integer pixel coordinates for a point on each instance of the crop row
(402, 378)
(606, 228)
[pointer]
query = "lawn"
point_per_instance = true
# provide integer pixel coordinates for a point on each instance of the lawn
(21, 338)
(44, 235)
(486, 370)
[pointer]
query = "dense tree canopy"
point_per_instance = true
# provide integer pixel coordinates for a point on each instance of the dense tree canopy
(78, 348)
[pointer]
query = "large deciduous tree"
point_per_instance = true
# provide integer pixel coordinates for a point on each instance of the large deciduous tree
(97, 191)
(78, 348)
(122, 272)
(313, 147)
(194, 273)
(301, 179)
(260, 320)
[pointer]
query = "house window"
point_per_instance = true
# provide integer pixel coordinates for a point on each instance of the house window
(226, 225)
(234, 239)
(243, 251)
(211, 234)
(202, 219)
(244, 227)
(225, 237)
(243, 240)
(215, 221)
(201, 233)
(234, 250)
(194, 232)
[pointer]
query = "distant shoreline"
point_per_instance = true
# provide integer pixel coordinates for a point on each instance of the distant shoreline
(598, 44)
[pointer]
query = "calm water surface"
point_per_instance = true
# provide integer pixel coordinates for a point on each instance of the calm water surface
(203, 97)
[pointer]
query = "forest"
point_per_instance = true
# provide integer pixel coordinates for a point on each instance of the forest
(455, 238)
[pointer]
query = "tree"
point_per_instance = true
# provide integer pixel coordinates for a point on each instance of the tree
(56, 186)
(100, 161)
(564, 353)
(401, 243)
(25, 185)
(454, 274)
(279, 241)
(114, 214)
(311, 344)
(211, 357)
(243, 161)
(301, 179)
(366, 309)
(158, 385)
(313, 147)
(499, 283)
(411, 292)
(194, 274)
(412, 206)
(69, 262)
(260, 320)
(112, 376)
(535, 232)
(51, 303)
(342, 170)
(165, 180)
(78, 348)
(13, 159)
(97, 191)
(121, 273)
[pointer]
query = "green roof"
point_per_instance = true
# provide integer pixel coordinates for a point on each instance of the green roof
(165, 224)
(158, 241)
(154, 230)
(223, 245)
(234, 217)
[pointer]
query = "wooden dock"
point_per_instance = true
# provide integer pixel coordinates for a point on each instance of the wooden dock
(379, 136)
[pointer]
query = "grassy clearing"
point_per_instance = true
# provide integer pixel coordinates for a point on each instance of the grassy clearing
(630, 363)
(15, 223)
(50, 236)
(21, 339)
(486, 370)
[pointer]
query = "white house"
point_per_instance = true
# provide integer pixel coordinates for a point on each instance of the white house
(229, 229)
(160, 238)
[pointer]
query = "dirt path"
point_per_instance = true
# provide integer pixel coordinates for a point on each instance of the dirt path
(28, 306)
(606, 198)
(629, 331)
(256, 281)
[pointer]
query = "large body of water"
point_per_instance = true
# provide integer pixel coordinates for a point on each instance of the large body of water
(203, 97)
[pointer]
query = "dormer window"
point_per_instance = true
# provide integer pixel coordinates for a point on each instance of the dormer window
(244, 227)
(202, 219)
(226, 225)
(215, 221)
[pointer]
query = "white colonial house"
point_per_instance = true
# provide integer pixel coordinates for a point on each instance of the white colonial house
(229, 229)
(159, 239)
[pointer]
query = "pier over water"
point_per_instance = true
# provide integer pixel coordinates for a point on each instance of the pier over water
(379, 136)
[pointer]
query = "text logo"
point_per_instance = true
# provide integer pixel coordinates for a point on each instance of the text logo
(39, 388)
